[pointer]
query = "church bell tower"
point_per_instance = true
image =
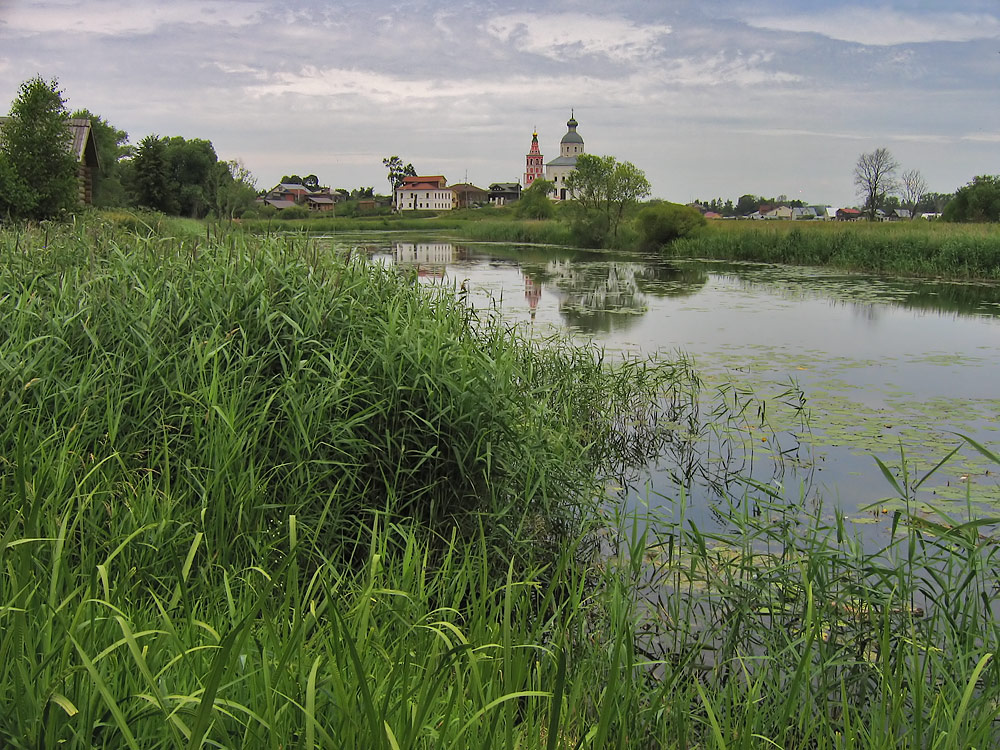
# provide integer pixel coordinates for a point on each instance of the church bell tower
(533, 168)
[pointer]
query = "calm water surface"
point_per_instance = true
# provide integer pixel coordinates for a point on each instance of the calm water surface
(882, 363)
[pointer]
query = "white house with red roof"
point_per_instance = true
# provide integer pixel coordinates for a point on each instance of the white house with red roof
(423, 193)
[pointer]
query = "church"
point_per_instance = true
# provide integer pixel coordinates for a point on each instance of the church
(557, 170)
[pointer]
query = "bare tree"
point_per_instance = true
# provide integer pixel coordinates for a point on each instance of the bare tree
(875, 178)
(913, 189)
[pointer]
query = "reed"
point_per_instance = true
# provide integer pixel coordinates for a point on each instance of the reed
(918, 247)
(258, 495)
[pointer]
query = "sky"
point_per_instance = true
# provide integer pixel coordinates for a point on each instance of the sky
(709, 98)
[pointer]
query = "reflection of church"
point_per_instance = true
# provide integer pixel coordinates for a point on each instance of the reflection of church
(532, 293)
(557, 170)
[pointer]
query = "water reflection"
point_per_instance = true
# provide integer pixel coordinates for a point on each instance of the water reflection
(429, 259)
(801, 283)
(591, 292)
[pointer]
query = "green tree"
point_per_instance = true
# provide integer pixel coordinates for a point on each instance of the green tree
(112, 146)
(397, 171)
(747, 204)
(151, 184)
(14, 200)
(535, 202)
(977, 201)
(662, 223)
(875, 179)
(192, 168)
(604, 189)
(235, 191)
(35, 142)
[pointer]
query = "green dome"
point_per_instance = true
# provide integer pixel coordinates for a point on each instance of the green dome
(572, 136)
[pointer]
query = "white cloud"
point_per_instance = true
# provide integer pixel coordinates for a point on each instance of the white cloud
(573, 35)
(721, 69)
(384, 89)
(885, 26)
(120, 17)
(982, 137)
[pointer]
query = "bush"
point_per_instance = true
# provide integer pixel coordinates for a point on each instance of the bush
(662, 223)
(294, 213)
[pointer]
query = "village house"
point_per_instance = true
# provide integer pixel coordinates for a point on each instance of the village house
(467, 195)
(83, 146)
(287, 194)
(502, 193)
(423, 193)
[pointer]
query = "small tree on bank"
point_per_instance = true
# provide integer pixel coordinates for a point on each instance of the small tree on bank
(604, 189)
(875, 179)
(535, 202)
(38, 178)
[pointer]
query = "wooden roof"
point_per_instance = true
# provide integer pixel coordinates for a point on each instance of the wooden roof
(82, 145)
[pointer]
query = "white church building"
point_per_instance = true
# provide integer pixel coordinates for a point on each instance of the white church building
(557, 170)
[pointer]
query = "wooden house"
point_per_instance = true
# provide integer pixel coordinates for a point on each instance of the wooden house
(83, 146)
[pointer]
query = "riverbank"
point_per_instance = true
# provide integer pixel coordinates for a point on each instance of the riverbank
(261, 494)
(915, 248)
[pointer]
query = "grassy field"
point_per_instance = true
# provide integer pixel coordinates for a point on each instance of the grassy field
(257, 495)
(960, 251)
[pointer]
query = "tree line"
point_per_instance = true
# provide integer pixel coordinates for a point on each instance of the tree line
(178, 176)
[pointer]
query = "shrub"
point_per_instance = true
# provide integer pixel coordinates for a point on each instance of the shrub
(294, 213)
(662, 223)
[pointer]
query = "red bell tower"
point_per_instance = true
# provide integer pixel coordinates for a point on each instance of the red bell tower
(533, 168)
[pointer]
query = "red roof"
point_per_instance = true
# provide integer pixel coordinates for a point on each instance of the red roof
(422, 186)
(436, 181)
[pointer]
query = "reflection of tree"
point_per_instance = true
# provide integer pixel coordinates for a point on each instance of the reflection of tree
(668, 280)
(963, 298)
(598, 297)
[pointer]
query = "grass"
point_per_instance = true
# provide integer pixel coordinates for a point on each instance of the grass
(921, 248)
(259, 496)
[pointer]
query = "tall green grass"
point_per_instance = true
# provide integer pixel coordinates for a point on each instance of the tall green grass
(918, 247)
(259, 496)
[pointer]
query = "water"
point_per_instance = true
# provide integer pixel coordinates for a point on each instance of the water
(884, 364)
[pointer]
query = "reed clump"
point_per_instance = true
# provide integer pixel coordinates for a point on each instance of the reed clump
(919, 248)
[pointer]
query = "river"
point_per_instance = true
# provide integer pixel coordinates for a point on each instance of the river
(887, 367)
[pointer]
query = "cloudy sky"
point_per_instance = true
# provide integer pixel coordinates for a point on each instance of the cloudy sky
(710, 98)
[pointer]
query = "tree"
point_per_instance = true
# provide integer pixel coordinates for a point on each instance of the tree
(236, 189)
(977, 201)
(605, 187)
(192, 167)
(150, 173)
(535, 203)
(913, 189)
(112, 147)
(934, 203)
(36, 146)
(747, 204)
(397, 171)
(875, 178)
